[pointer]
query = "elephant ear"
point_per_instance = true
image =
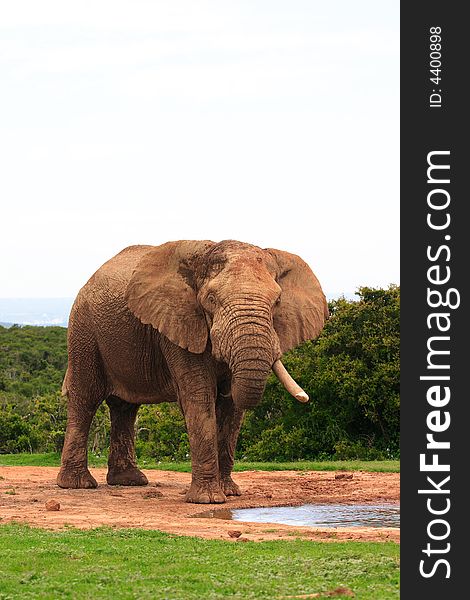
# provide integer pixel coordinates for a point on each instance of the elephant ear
(302, 310)
(160, 293)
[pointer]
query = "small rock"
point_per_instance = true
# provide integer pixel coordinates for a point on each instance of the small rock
(152, 494)
(52, 505)
(34, 500)
(234, 534)
(242, 539)
(343, 475)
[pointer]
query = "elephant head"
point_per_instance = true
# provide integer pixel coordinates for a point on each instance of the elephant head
(245, 304)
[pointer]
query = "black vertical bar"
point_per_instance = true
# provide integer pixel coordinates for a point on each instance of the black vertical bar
(430, 124)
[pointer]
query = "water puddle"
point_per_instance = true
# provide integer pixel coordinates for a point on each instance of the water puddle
(315, 515)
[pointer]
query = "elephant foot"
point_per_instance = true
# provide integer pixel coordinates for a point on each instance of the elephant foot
(207, 492)
(130, 476)
(230, 488)
(68, 478)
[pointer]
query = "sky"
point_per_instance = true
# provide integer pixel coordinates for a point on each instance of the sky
(139, 122)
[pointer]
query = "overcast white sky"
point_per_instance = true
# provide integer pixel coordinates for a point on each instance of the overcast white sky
(138, 122)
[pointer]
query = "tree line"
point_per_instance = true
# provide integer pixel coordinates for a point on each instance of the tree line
(351, 373)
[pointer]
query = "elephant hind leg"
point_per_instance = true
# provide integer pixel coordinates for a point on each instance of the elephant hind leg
(74, 471)
(229, 421)
(84, 385)
(122, 465)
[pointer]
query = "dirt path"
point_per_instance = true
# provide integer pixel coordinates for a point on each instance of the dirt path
(160, 505)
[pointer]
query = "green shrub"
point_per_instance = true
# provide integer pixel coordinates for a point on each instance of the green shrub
(161, 433)
(16, 435)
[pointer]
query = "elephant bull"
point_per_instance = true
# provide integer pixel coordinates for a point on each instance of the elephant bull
(194, 322)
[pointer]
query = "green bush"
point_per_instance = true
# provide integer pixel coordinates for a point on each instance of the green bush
(161, 433)
(16, 435)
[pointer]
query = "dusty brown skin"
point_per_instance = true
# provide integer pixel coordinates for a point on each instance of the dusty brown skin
(161, 505)
(194, 322)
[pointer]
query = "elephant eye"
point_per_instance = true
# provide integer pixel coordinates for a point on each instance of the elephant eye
(211, 299)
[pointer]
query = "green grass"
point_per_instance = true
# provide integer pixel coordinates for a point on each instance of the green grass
(52, 459)
(133, 563)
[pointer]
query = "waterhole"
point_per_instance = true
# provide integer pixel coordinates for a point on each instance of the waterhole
(315, 515)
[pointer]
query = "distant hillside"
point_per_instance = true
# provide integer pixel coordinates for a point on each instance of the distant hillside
(35, 311)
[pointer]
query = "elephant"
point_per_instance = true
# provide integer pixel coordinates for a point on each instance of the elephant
(199, 323)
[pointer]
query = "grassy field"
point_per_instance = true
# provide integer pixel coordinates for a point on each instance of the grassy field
(53, 460)
(105, 563)
(133, 563)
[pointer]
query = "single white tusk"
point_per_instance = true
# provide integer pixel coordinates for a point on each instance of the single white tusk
(291, 386)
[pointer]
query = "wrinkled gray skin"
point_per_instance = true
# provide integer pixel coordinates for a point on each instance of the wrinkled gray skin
(194, 322)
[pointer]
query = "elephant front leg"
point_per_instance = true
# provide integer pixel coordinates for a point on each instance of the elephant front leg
(229, 421)
(201, 425)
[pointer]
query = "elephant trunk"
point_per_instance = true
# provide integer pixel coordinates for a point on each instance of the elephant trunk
(250, 343)
(245, 338)
(249, 375)
(247, 393)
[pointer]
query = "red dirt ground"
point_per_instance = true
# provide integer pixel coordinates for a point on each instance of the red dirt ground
(24, 492)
